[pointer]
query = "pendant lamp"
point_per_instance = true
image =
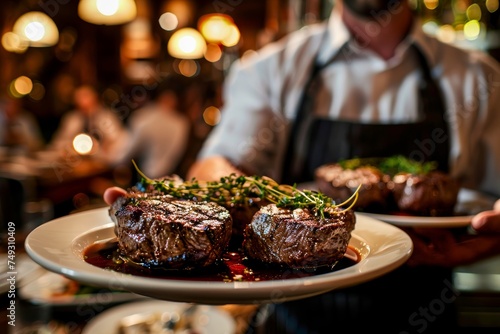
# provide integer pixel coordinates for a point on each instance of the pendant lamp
(107, 12)
(37, 29)
(187, 43)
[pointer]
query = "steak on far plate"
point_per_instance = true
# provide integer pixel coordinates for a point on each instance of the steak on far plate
(161, 231)
(298, 238)
(340, 184)
(434, 194)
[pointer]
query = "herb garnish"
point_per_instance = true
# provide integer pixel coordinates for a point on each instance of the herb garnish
(391, 165)
(401, 164)
(238, 190)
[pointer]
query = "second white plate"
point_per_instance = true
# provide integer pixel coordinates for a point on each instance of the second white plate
(469, 202)
(208, 320)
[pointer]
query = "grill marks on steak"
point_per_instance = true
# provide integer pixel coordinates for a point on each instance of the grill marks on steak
(297, 238)
(159, 230)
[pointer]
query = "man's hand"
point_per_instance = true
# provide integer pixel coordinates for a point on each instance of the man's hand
(488, 221)
(446, 248)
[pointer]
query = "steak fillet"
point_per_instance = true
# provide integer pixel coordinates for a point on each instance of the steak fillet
(434, 194)
(161, 231)
(340, 184)
(297, 238)
(419, 193)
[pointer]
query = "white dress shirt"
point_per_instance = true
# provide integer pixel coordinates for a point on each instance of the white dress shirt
(261, 95)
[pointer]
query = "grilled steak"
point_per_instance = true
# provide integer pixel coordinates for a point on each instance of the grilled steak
(160, 231)
(297, 238)
(432, 194)
(340, 184)
(390, 185)
(242, 214)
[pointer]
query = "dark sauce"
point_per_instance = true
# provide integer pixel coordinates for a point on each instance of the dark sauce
(232, 267)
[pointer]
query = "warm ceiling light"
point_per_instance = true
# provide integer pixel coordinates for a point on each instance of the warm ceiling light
(107, 12)
(233, 38)
(37, 29)
(187, 43)
(215, 27)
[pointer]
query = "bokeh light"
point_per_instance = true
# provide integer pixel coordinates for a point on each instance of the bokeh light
(446, 33)
(215, 27)
(491, 5)
(474, 12)
(21, 86)
(168, 21)
(14, 43)
(431, 4)
(233, 37)
(212, 115)
(188, 68)
(83, 143)
(187, 43)
(213, 53)
(38, 91)
(472, 29)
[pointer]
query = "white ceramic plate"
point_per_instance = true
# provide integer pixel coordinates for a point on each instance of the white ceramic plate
(469, 203)
(48, 289)
(25, 271)
(208, 319)
(58, 246)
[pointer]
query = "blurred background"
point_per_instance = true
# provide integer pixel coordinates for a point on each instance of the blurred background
(117, 55)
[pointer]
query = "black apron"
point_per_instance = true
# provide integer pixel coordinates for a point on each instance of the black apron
(329, 141)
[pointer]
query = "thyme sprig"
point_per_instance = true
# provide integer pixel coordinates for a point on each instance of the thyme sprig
(236, 190)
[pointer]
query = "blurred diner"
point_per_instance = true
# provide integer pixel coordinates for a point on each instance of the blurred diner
(19, 129)
(159, 131)
(90, 117)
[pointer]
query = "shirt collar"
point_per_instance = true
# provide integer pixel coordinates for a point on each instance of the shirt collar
(335, 38)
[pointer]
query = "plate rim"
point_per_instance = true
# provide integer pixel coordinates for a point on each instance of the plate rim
(60, 259)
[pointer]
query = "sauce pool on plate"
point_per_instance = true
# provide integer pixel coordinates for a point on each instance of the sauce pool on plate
(232, 267)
